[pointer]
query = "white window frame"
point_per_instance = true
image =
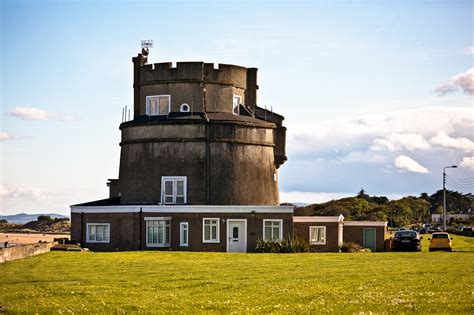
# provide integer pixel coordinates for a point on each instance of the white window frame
(182, 227)
(88, 225)
(238, 104)
(157, 96)
(324, 235)
(174, 179)
(210, 240)
(280, 222)
(164, 220)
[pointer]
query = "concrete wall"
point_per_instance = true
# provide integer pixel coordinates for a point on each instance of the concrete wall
(23, 251)
(125, 230)
(238, 162)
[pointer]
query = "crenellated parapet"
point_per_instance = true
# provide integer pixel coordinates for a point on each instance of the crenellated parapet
(194, 72)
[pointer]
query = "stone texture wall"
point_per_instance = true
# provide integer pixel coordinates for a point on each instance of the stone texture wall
(23, 251)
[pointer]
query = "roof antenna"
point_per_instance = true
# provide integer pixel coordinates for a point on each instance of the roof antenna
(146, 45)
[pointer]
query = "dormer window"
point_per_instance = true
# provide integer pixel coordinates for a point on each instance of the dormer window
(236, 105)
(158, 105)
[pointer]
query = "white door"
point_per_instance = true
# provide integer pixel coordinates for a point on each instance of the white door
(237, 236)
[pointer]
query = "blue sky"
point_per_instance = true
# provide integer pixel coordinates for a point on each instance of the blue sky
(376, 94)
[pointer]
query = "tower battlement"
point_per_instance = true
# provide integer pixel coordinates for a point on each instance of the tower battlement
(195, 71)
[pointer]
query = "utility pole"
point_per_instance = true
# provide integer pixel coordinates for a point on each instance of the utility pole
(444, 194)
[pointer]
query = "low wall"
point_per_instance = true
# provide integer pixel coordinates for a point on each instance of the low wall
(23, 251)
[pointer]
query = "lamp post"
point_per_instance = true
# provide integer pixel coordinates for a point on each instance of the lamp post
(444, 194)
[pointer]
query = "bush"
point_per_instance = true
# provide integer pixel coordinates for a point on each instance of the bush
(294, 245)
(351, 247)
(44, 218)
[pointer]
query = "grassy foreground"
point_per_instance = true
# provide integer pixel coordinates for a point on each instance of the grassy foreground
(188, 282)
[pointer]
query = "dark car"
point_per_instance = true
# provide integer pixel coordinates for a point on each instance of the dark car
(407, 240)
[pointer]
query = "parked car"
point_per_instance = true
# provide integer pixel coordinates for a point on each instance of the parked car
(440, 241)
(406, 240)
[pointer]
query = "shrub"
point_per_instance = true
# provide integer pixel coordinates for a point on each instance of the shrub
(351, 247)
(282, 246)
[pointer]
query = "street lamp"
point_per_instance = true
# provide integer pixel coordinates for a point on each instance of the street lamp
(444, 194)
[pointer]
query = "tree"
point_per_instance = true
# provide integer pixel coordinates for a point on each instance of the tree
(44, 218)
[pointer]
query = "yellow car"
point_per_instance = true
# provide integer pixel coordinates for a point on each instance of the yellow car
(440, 241)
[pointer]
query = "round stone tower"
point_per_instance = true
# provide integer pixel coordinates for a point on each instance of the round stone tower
(198, 138)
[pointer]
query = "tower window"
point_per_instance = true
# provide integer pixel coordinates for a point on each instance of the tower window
(158, 105)
(173, 190)
(236, 105)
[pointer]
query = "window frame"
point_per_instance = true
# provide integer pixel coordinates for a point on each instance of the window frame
(311, 242)
(238, 104)
(174, 179)
(158, 219)
(88, 240)
(147, 105)
(210, 240)
(280, 237)
(182, 226)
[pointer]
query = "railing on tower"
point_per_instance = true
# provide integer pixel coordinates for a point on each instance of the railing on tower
(127, 114)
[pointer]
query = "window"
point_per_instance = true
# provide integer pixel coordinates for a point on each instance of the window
(236, 105)
(98, 232)
(184, 234)
(173, 190)
(158, 232)
(317, 235)
(272, 229)
(210, 230)
(158, 105)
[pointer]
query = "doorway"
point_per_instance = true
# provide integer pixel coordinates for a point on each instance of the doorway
(237, 235)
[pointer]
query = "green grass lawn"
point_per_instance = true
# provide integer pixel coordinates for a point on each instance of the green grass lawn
(86, 282)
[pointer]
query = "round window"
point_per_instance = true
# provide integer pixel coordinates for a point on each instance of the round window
(184, 108)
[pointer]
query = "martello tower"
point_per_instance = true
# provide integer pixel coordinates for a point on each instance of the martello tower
(198, 138)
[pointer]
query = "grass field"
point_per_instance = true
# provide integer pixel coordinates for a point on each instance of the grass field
(87, 282)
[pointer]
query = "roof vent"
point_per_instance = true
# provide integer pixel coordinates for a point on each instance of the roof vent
(184, 108)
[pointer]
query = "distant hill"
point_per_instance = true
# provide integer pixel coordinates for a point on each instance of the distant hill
(23, 218)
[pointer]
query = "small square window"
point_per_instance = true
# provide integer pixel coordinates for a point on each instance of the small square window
(272, 229)
(173, 190)
(158, 105)
(98, 233)
(317, 235)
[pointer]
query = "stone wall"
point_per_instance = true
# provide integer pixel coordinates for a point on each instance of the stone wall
(23, 251)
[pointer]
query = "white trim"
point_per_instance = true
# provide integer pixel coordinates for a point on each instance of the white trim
(340, 233)
(375, 236)
(157, 218)
(174, 179)
(183, 209)
(245, 233)
(147, 105)
(181, 229)
(88, 236)
(280, 237)
(324, 233)
(217, 231)
(365, 223)
(321, 219)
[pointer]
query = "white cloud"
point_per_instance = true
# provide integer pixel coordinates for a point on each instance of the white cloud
(468, 162)
(311, 197)
(463, 81)
(32, 113)
(405, 163)
(10, 191)
(366, 157)
(470, 50)
(5, 136)
(460, 143)
(400, 141)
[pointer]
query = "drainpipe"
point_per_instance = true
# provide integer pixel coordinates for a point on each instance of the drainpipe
(140, 229)
(82, 228)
